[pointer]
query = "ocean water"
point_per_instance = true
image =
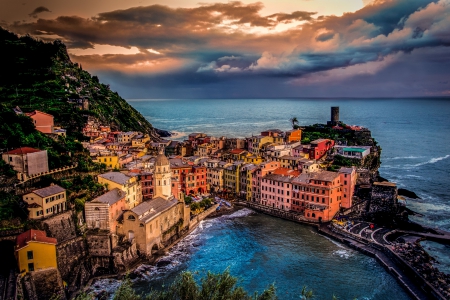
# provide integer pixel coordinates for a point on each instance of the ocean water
(413, 133)
(259, 249)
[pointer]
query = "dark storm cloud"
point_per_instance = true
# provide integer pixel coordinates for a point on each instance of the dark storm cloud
(295, 16)
(210, 45)
(38, 10)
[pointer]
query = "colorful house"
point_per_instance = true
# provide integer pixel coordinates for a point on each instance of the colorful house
(294, 135)
(35, 251)
(27, 161)
(319, 148)
(46, 202)
(42, 121)
(129, 184)
(103, 211)
(318, 195)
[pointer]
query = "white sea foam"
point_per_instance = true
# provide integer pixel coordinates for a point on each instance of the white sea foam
(177, 134)
(431, 161)
(342, 253)
(403, 157)
(238, 214)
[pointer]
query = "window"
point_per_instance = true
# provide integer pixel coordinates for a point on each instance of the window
(30, 254)
(30, 267)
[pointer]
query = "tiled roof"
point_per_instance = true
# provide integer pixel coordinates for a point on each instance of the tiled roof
(116, 177)
(23, 150)
(280, 178)
(110, 197)
(48, 191)
(147, 210)
(33, 235)
(37, 112)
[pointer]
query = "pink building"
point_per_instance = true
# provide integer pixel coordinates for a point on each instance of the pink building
(276, 191)
(42, 121)
(348, 181)
(264, 168)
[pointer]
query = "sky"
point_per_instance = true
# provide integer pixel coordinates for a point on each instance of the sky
(248, 49)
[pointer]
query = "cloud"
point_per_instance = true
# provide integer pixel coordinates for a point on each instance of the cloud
(223, 42)
(38, 10)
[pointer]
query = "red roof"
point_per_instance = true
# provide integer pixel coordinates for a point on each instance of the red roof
(37, 112)
(237, 151)
(33, 235)
(23, 150)
(286, 172)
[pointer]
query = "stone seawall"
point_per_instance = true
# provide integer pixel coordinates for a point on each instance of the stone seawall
(287, 215)
(195, 220)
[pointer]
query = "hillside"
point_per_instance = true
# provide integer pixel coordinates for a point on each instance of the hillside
(40, 75)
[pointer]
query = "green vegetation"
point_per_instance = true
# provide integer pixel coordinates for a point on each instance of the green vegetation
(213, 286)
(40, 75)
(198, 207)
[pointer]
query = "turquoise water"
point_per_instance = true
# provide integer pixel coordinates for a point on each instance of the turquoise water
(260, 249)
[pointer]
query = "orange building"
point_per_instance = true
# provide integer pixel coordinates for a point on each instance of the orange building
(42, 121)
(318, 195)
(294, 135)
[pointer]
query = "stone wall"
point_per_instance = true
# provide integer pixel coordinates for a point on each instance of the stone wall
(124, 257)
(99, 243)
(384, 197)
(71, 254)
(43, 285)
(61, 227)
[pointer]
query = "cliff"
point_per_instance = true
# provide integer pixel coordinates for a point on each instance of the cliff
(40, 75)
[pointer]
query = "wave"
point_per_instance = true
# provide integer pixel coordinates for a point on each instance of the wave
(343, 253)
(177, 134)
(404, 157)
(431, 161)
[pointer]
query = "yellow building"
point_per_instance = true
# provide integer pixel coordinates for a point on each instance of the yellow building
(35, 251)
(258, 141)
(130, 185)
(140, 140)
(111, 161)
(46, 202)
(231, 177)
(253, 159)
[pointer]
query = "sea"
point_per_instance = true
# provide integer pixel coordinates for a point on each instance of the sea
(260, 250)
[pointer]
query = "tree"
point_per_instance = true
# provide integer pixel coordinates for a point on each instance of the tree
(213, 286)
(294, 122)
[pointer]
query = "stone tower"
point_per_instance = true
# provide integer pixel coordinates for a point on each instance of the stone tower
(334, 115)
(163, 174)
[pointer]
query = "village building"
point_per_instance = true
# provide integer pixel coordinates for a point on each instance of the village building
(319, 148)
(276, 191)
(42, 121)
(129, 184)
(348, 180)
(263, 169)
(153, 223)
(27, 161)
(45, 202)
(103, 212)
(125, 137)
(294, 135)
(35, 251)
(318, 195)
(358, 152)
